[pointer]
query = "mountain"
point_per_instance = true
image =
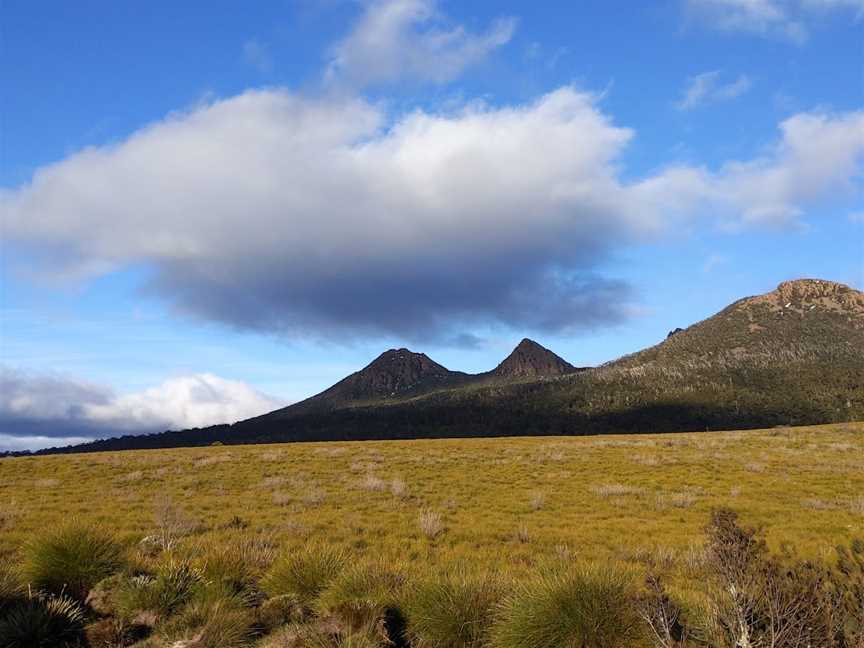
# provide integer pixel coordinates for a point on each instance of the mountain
(794, 355)
(394, 374)
(530, 360)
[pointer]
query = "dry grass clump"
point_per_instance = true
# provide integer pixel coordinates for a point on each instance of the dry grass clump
(617, 490)
(8, 512)
(131, 477)
(675, 499)
(398, 488)
(431, 523)
(373, 483)
(280, 498)
(537, 501)
(314, 497)
(172, 523)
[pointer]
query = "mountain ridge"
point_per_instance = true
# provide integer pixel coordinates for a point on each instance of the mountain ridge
(794, 355)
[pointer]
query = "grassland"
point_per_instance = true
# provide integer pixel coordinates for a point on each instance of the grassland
(514, 501)
(478, 543)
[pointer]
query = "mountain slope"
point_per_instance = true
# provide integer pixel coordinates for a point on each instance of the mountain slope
(794, 355)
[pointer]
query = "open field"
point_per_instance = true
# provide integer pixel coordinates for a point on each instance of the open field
(483, 543)
(514, 500)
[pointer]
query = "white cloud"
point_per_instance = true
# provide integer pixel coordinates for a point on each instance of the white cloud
(818, 153)
(13, 443)
(786, 19)
(408, 39)
(45, 410)
(187, 401)
(707, 88)
(322, 217)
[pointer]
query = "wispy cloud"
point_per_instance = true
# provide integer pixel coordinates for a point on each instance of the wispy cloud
(708, 87)
(784, 19)
(257, 54)
(398, 40)
(713, 262)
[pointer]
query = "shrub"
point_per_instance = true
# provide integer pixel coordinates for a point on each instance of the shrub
(451, 611)
(580, 608)
(361, 596)
(304, 574)
(662, 615)
(758, 599)
(71, 560)
(42, 621)
(847, 584)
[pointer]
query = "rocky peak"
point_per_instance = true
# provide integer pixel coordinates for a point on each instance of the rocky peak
(393, 373)
(807, 295)
(531, 359)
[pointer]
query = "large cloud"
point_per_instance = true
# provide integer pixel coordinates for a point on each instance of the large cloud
(396, 40)
(44, 410)
(327, 217)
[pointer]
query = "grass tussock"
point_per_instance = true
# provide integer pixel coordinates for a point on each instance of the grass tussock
(304, 574)
(452, 611)
(42, 621)
(71, 560)
(585, 607)
(362, 596)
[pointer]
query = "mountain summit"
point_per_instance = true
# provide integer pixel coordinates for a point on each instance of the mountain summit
(395, 373)
(531, 360)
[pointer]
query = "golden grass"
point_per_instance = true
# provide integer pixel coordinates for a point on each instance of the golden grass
(503, 503)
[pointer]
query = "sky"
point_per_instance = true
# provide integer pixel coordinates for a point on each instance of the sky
(212, 210)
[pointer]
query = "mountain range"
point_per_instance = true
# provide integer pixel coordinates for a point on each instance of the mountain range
(792, 356)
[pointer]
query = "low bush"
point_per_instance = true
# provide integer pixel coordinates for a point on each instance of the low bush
(582, 608)
(71, 560)
(304, 574)
(451, 611)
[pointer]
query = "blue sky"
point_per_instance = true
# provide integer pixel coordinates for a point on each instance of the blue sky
(210, 211)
